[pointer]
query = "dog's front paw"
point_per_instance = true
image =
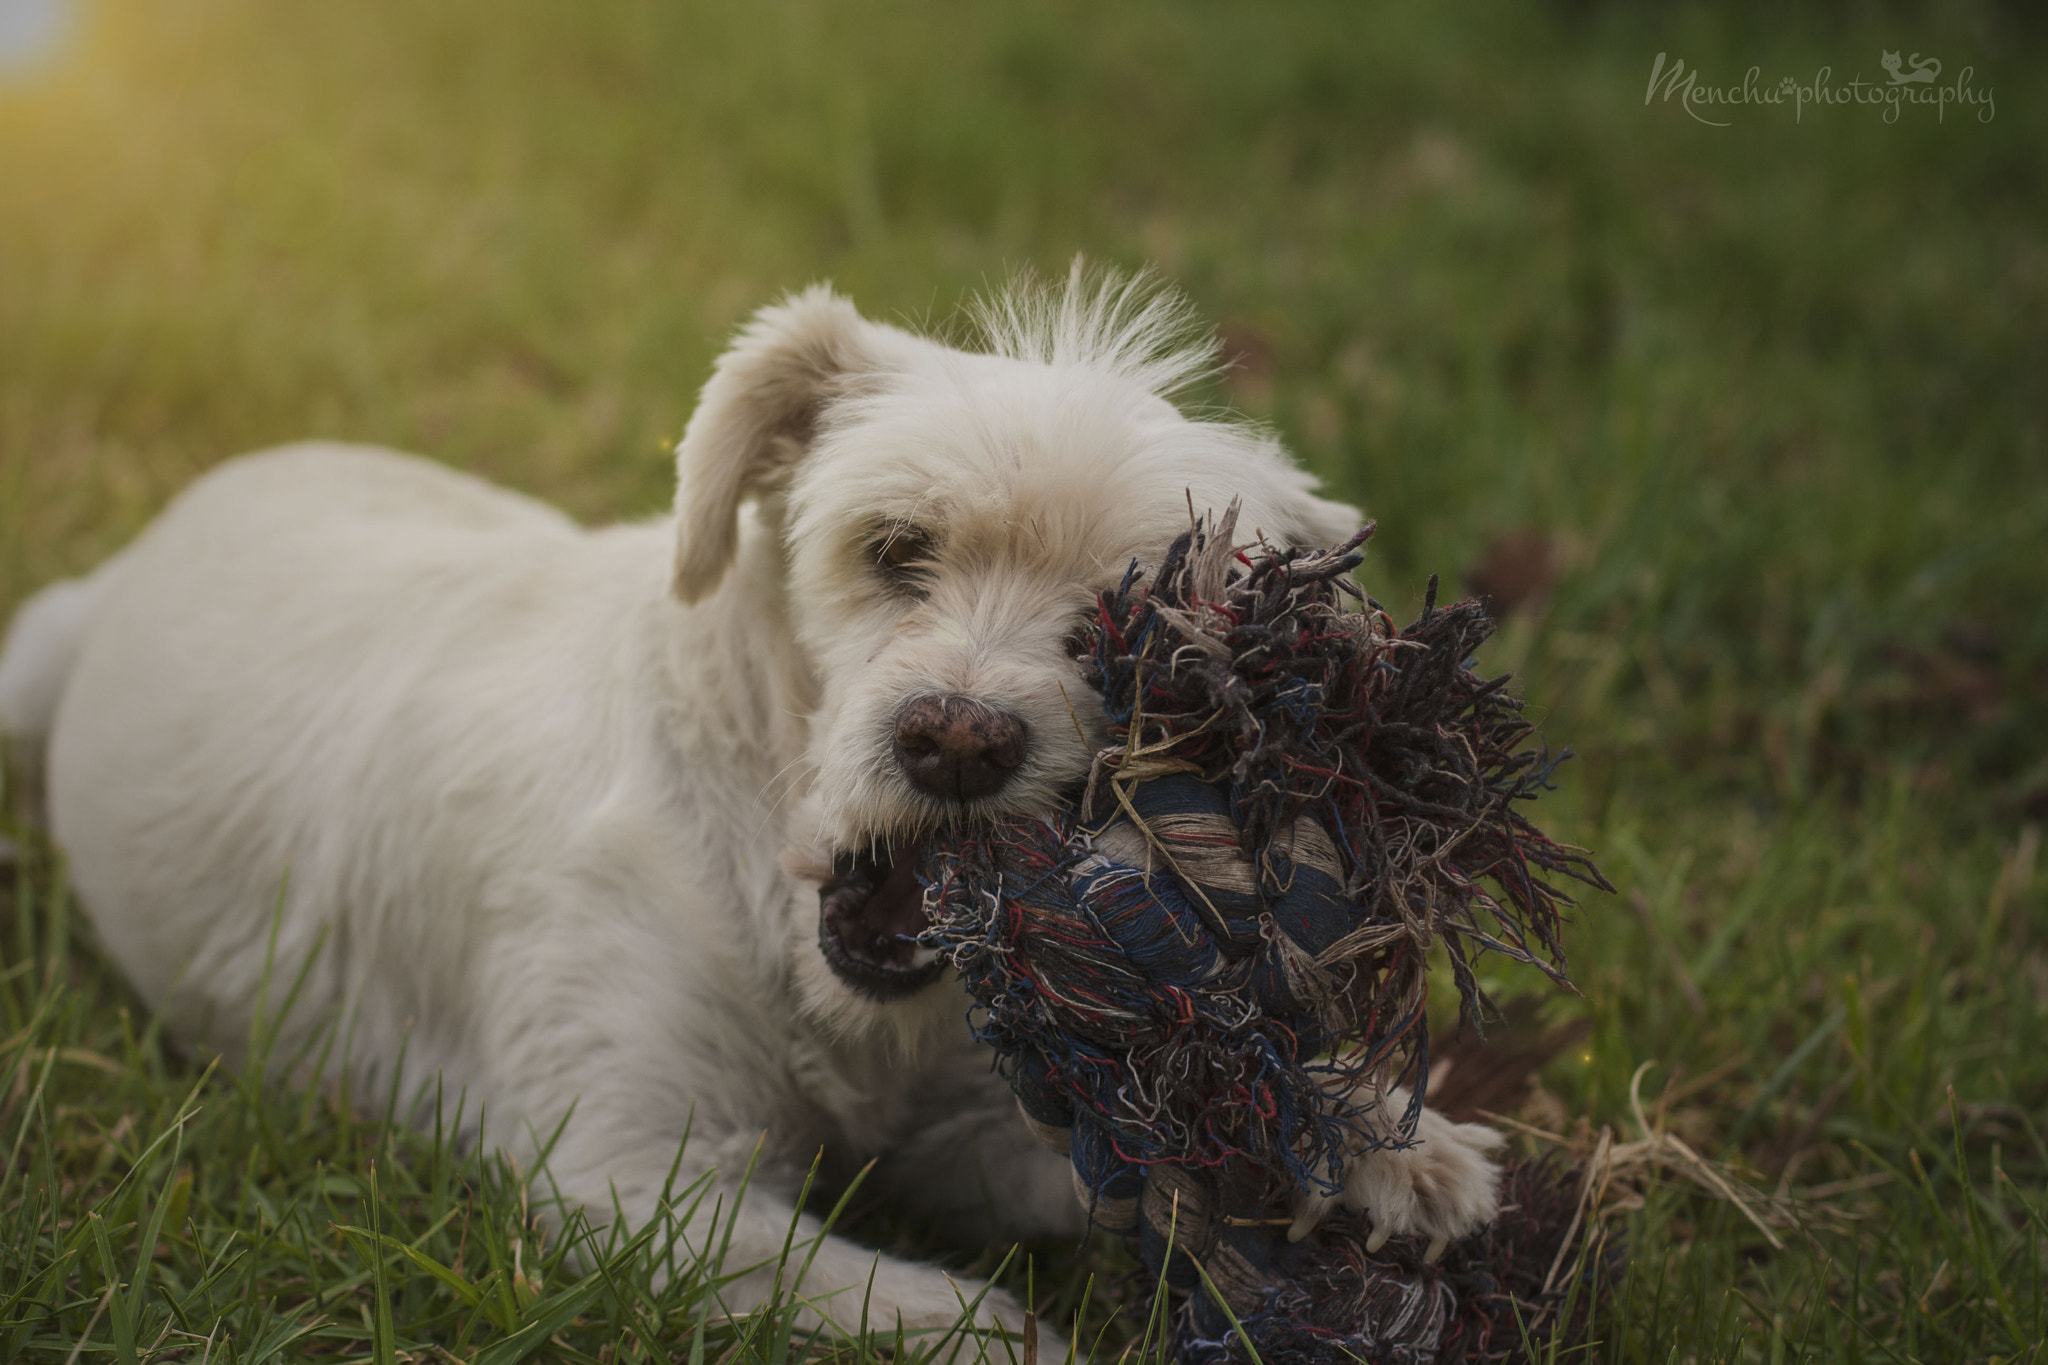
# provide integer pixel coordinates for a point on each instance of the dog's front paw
(1443, 1188)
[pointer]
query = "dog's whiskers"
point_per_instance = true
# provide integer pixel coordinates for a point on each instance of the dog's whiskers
(781, 773)
(774, 807)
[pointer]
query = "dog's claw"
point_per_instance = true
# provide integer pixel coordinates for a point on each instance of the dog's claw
(1436, 1249)
(1378, 1239)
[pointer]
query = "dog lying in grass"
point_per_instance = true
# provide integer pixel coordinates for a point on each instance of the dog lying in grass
(609, 832)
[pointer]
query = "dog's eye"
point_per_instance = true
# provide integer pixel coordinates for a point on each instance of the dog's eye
(902, 553)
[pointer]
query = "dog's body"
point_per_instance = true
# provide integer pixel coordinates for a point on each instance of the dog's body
(548, 810)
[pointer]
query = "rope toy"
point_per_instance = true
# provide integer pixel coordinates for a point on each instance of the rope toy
(1199, 977)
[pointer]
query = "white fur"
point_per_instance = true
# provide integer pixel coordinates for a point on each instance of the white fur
(40, 649)
(1441, 1188)
(551, 803)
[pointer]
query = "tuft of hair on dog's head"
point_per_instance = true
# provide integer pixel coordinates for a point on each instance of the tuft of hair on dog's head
(1134, 327)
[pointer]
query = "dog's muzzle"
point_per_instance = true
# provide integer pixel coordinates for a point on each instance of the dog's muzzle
(869, 917)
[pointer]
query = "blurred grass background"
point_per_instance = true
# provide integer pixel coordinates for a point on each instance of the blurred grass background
(1746, 424)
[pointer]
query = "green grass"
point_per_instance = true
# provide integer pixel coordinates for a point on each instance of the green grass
(1772, 391)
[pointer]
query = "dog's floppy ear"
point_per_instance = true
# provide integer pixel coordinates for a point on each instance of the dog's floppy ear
(755, 419)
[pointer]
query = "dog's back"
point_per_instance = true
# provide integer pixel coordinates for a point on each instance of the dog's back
(44, 638)
(195, 705)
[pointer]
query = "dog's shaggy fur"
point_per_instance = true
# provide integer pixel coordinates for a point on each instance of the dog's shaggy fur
(548, 809)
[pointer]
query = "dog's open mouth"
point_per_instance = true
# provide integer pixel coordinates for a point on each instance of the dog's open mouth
(869, 916)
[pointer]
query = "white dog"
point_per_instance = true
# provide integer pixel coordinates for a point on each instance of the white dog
(622, 819)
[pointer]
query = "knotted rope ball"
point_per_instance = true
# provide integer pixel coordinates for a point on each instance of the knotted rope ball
(1198, 977)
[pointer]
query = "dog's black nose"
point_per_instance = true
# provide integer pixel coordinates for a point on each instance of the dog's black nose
(958, 748)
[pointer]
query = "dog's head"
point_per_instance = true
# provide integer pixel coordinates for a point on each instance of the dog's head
(947, 518)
